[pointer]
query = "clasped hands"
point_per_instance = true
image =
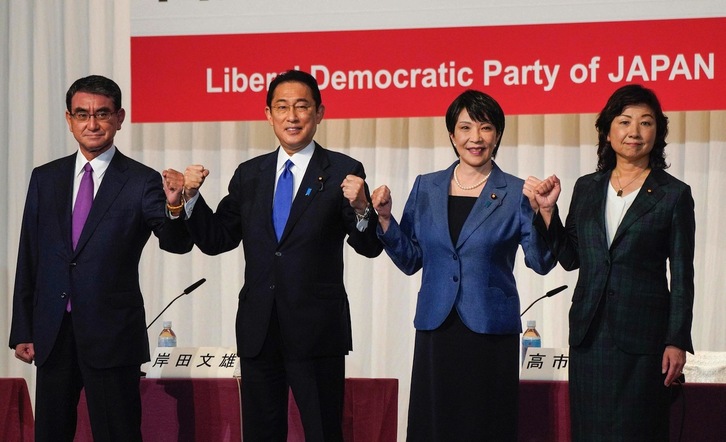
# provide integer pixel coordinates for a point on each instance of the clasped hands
(542, 194)
(188, 183)
(191, 180)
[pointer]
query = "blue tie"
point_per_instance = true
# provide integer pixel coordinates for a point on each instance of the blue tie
(283, 200)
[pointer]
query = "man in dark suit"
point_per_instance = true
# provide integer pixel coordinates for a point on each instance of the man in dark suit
(293, 319)
(78, 311)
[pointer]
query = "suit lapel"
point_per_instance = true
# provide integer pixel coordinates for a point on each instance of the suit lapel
(647, 197)
(440, 201)
(264, 191)
(313, 182)
(113, 181)
(64, 197)
(597, 197)
(490, 198)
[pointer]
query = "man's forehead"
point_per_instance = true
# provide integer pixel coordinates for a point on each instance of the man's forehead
(292, 90)
(90, 96)
(93, 102)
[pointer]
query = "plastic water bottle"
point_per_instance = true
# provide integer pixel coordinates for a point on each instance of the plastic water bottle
(530, 338)
(167, 338)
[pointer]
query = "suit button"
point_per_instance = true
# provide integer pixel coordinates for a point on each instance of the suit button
(611, 293)
(456, 258)
(456, 279)
(272, 287)
(64, 295)
(278, 253)
(73, 264)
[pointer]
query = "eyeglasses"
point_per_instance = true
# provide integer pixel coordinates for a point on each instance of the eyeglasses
(99, 116)
(283, 109)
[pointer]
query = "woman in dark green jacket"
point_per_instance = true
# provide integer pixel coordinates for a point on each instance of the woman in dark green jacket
(630, 223)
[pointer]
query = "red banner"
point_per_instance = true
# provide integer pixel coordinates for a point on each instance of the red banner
(529, 69)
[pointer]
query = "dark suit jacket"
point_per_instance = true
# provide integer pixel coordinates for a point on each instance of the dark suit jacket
(302, 274)
(101, 276)
(644, 313)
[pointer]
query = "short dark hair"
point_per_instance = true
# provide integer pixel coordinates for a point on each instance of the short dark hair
(95, 84)
(630, 95)
(296, 76)
(482, 108)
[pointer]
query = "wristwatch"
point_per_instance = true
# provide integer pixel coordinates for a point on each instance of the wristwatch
(362, 220)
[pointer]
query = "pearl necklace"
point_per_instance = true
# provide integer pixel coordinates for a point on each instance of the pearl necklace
(458, 184)
(621, 187)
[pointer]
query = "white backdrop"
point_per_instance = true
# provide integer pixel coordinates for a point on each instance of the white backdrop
(189, 17)
(46, 44)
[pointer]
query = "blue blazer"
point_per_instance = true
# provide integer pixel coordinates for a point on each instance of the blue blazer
(101, 275)
(476, 274)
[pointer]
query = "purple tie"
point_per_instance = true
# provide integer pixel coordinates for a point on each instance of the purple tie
(84, 200)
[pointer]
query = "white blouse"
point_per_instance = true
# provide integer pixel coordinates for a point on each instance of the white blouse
(615, 209)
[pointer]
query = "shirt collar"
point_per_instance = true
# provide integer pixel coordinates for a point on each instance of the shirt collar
(301, 158)
(99, 164)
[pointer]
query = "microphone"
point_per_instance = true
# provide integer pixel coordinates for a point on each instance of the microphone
(186, 291)
(552, 292)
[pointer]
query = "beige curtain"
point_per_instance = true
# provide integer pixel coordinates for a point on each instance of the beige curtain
(47, 44)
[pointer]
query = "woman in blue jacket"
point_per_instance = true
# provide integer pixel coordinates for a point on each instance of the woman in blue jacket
(463, 226)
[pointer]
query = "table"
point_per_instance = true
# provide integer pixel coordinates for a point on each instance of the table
(370, 412)
(544, 412)
(210, 409)
(16, 413)
(181, 410)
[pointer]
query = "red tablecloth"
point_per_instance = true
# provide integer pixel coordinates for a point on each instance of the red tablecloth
(370, 412)
(544, 412)
(181, 410)
(16, 413)
(209, 410)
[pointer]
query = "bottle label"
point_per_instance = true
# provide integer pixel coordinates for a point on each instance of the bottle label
(166, 341)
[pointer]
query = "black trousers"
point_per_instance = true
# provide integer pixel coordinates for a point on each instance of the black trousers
(112, 395)
(317, 385)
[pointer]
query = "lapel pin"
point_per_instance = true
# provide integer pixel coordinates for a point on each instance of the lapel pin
(320, 181)
(307, 192)
(493, 196)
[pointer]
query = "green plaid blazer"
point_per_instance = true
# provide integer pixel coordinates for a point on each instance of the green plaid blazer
(646, 274)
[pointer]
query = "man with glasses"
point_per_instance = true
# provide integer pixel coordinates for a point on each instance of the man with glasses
(78, 311)
(291, 209)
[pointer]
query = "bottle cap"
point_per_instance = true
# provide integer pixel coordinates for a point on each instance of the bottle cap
(531, 323)
(167, 324)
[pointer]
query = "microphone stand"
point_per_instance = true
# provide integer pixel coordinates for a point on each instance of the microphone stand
(186, 291)
(549, 294)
